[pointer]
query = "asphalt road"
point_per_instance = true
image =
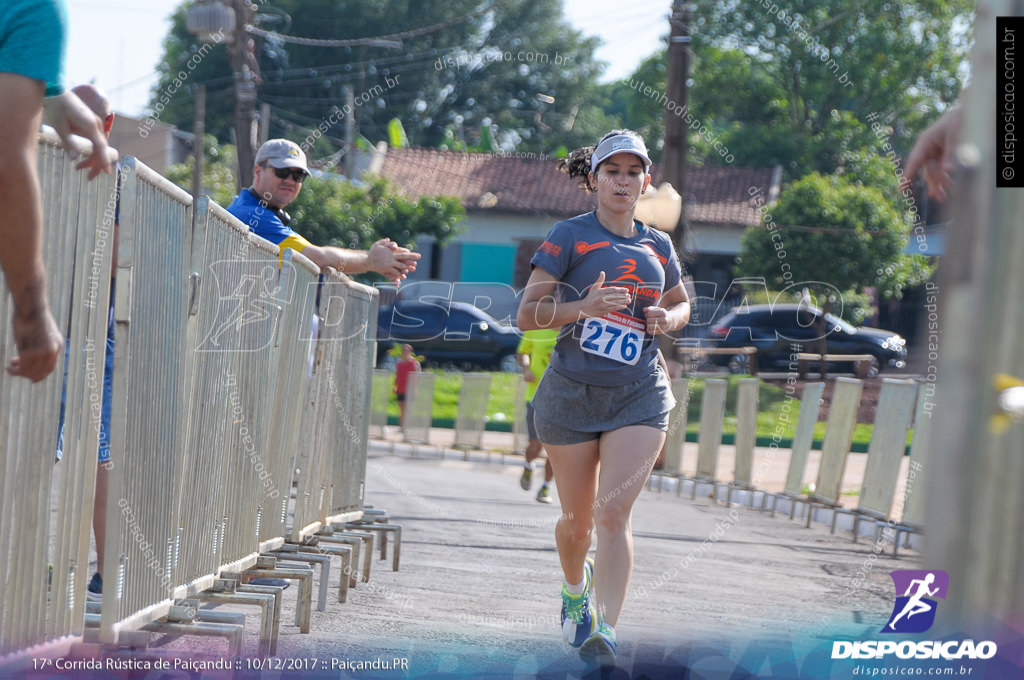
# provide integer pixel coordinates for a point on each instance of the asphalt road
(714, 589)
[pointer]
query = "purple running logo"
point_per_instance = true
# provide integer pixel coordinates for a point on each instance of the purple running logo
(914, 610)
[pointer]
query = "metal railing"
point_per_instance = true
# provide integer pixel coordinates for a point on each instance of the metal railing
(234, 365)
(78, 226)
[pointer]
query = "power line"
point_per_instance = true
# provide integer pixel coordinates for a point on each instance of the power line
(393, 37)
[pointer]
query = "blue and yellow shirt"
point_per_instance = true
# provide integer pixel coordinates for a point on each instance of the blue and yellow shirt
(264, 223)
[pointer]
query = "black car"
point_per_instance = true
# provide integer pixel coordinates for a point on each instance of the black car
(447, 333)
(775, 330)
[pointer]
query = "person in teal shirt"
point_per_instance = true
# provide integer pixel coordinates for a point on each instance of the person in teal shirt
(32, 46)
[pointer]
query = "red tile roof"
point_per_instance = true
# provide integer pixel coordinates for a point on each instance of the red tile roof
(534, 186)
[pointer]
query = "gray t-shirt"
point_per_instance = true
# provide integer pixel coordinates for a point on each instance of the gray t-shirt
(614, 349)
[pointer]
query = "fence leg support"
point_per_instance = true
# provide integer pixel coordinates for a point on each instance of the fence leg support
(233, 634)
(367, 539)
(343, 551)
(269, 617)
(275, 621)
(304, 603)
(325, 571)
(383, 530)
(354, 544)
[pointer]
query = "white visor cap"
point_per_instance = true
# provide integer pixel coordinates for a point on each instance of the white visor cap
(619, 144)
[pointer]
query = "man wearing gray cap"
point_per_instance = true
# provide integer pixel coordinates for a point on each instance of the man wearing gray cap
(277, 180)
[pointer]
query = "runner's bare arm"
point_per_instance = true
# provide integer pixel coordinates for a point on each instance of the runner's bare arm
(540, 309)
(671, 313)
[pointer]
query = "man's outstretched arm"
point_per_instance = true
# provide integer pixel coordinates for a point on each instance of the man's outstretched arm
(384, 257)
(35, 332)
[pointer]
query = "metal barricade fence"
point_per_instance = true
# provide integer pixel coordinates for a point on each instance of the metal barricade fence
(310, 480)
(349, 470)
(675, 441)
(252, 375)
(419, 407)
(150, 405)
(220, 383)
(379, 403)
(86, 349)
(292, 343)
(472, 414)
(200, 507)
(332, 469)
(41, 502)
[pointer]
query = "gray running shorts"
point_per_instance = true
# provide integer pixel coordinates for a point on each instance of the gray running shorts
(571, 412)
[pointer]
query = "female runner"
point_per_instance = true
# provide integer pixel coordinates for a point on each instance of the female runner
(610, 283)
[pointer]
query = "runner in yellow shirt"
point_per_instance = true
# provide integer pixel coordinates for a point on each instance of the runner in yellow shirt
(534, 355)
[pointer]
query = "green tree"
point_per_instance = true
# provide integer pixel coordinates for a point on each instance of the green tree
(797, 83)
(517, 68)
(832, 235)
(896, 58)
(340, 213)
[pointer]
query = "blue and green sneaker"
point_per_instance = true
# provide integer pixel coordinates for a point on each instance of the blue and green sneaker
(599, 648)
(579, 620)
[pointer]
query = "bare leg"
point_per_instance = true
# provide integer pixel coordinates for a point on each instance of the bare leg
(575, 467)
(533, 450)
(627, 455)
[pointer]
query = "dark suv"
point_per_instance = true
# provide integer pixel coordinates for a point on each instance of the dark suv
(455, 333)
(775, 329)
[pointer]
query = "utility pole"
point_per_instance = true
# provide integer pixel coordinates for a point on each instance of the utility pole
(349, 159)
(673, 159)
(245, 92)
(198, 149)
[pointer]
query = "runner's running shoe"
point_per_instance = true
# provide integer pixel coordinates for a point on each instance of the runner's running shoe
(599, 648)
(579, 620)
(527, 477)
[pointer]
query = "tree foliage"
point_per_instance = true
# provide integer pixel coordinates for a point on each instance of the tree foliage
(893, 58)
(518, 72)
(832, 234)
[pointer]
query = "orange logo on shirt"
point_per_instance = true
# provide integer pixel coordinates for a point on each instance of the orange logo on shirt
(663, 260)
(582, 247)
(628, 270)
(550, 248)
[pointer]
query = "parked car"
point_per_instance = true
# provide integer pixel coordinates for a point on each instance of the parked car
(455, 333)
(775, 329)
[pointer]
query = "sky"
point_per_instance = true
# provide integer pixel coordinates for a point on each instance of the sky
(117, 44)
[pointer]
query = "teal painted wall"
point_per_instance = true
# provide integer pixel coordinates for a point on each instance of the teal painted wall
(488, 262)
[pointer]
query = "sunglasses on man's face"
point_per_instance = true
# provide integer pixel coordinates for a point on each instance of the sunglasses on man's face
(296, 174)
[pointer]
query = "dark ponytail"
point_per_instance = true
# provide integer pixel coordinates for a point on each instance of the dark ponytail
(577, 163)
(577, 166)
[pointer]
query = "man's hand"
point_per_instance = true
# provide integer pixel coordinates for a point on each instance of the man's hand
(933, 151)
(38, 339)
(68, 115)
(392, 260)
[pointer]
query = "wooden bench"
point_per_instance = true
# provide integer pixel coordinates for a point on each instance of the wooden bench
(861, 362)
(700, 352)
